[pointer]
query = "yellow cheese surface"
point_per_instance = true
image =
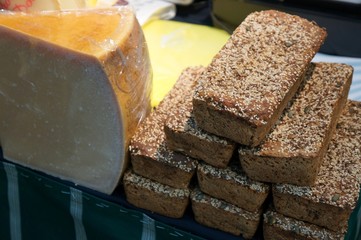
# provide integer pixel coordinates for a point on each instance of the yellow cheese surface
(73, 87)
(174, 46)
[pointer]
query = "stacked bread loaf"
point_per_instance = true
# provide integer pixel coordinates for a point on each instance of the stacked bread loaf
(160, 177)
(260, 116)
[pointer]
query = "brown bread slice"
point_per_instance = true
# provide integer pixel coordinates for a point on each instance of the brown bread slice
(156, 197)
(150, 155)
(224, 216)
(331, 201)
(279, 227)
(184, 135)
(232, 185)
(292, 153)
(249, 82)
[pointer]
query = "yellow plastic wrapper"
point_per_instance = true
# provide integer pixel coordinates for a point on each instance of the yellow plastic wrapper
(74, 86)
(33, 5)
(174, 46)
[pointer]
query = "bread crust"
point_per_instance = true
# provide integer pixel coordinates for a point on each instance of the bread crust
(184, 135)
(279, 227)
(196, 143)
(249, 82)
(150, 155)
(293, 151)
(224, 216)
(336, 190)
(232, 185)
(156, 197)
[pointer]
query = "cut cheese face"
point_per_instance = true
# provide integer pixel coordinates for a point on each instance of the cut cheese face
(73, 87)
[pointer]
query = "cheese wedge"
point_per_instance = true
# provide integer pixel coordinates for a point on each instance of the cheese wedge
(73, 87)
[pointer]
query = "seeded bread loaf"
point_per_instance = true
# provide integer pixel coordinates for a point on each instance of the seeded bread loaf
(232, 185)
(249, 82)
(183, 134)
(331, 201)
(156, 197)
(292, 153)
(150, 155)
(279, 227)
(224, 216)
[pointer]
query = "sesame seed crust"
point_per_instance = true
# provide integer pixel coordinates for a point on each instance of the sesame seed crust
(187, 124)
(305, 124)
(155, 186)
(149, 139)
(338, 181)
(265, 56)
(234, 173)
(182, 119)
(185, 136)
(274, 219)
(198, 196)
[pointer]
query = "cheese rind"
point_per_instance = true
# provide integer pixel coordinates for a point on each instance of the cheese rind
(68, 106)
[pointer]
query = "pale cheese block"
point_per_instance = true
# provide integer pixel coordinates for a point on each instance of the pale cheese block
(73, 87)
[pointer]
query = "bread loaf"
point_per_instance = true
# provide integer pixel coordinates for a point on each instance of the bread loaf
(279, 227)
(232, 185)
(330, 202)
(292, 153)
(156, 197)
(249, 82)
(150, 154)
(224, 216)
(183, 134)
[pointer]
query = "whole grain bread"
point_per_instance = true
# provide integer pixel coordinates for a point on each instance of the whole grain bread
(232, 185)
(330, 202)
(156, 197)
(188, 138)
(150, 155)
(250, 80)
(224, 216)
(183, 134)
(293, 151)
(279, 227)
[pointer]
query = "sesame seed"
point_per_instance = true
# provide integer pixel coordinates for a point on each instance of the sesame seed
(299, 227)
(265, 56)
(155, 186)
(338, 180)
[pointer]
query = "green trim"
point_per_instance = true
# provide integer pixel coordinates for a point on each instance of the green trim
(45, 207)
